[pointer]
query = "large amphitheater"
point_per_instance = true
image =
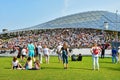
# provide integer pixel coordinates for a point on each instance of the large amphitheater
(80, 30)
(104, 22)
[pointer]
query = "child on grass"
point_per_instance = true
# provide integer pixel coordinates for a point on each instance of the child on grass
(28, 64)
(16, 64)
(36, 65)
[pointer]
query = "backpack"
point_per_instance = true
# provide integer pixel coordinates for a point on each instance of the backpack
(95, 51)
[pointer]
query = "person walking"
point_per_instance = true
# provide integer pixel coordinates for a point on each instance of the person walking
(24, 52)
(95, 50)
(46, 52)
(103, 51)
(114, 55)
(39, 47)
(64, 50)
(31, 49)
(59, 52)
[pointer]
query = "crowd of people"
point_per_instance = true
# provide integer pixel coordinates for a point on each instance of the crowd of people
(76, 38)
(63, 53)
(41, 41)
(42, 51)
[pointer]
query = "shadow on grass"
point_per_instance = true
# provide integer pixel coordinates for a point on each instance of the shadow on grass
(106, 62)
(72, 68)
(51, 68)
(80, 68)
(113, 69)
(7, 68)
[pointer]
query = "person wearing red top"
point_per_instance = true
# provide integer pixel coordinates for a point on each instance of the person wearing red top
(95, 50)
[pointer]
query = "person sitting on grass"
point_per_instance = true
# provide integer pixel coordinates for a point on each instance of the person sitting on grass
(28, 64)
(16, 64)
(36, 65)
(79, 57)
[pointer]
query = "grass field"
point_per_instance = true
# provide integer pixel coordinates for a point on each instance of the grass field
(54, 70)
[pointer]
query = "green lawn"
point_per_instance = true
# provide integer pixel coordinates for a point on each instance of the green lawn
(54, 70)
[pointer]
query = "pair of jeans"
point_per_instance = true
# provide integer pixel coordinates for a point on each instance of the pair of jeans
(95, 59)
(40, 57)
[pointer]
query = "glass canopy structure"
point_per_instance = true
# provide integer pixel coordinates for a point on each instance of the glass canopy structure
(90, 19)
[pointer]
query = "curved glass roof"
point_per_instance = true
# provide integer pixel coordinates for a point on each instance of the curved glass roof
(91, 19)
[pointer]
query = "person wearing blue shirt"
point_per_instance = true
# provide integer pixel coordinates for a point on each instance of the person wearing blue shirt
(31, 49)
(114, 55)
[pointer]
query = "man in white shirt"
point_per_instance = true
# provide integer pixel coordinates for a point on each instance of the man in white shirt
(46, 52)
(59, 52)
(40, 52)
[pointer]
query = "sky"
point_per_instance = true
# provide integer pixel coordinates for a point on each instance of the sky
(19, 14)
